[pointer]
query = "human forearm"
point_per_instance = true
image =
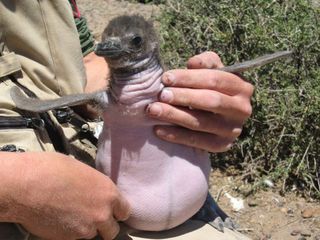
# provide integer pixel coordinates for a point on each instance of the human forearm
(12, 184)
(51, 195)
(17, 172)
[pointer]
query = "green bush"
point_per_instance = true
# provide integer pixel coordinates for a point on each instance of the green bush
(281, 140)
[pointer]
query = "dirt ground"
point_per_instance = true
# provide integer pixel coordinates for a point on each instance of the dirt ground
(266, 214)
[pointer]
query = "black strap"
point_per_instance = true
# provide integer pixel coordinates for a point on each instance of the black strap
(11, 148)
(21, 122)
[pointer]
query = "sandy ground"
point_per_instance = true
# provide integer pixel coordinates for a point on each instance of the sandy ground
(266, 214)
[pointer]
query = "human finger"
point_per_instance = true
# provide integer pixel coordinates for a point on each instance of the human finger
(220, 81)
(121, 209)
(208, 100)
(201, 140)
(207, 60)
(109, 230)
(197, 120)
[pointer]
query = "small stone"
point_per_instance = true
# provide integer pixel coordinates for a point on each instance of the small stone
(284, 210)
(305, 234)
(290, 211)
(252, 203)
(295, 232)
(308, 213)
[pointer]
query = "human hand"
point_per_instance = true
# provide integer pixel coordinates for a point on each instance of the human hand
(208, 107)
(67, 200)
(97, 72)
(98, 76)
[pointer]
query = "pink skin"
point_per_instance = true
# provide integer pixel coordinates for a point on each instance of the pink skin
(165, 183)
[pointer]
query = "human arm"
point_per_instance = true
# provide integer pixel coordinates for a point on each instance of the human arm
(97, 72)
(209, 106)
(57, 197)
(98, 76)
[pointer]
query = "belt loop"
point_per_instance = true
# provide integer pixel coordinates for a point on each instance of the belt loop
(9, 64)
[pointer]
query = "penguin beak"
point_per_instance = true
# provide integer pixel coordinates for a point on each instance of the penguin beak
(111, 48)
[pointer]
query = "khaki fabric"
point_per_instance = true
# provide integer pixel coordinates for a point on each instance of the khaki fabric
(43, 37)
(9, 64)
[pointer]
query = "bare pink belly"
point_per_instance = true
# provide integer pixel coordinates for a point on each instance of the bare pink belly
(165, 183)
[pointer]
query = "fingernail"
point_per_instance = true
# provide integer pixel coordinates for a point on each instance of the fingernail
(161, 132)
(168, 79)
(154, 109)
(166, 95)
(237, 131)
(165, 134)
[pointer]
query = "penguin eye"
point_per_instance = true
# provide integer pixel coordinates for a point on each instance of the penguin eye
(136, 41)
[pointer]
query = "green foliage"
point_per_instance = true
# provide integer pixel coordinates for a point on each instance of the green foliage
(281, 140)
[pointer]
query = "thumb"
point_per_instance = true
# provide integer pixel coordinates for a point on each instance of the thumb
(206, 60)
